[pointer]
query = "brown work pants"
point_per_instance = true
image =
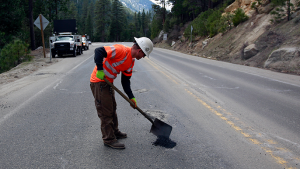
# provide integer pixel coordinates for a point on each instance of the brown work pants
(106, 108)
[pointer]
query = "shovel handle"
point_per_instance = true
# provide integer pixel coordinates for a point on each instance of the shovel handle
(126, 98)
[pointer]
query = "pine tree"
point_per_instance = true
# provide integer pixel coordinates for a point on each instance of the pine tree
(71, 13)
(147, 24)
(143, 22)
(102, 20)
(156, 25)
(91, 25)
(136, 22)
(84, 16)
(88, 26)
(118, 20)
(283, 3)
(11, 18)
(139, 18)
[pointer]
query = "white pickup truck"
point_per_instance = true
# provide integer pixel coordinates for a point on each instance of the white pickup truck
(66, 44)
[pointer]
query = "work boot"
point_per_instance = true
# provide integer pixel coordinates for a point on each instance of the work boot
(120, 135)
(115, 145)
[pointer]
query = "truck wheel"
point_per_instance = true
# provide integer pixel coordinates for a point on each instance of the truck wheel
(75, 53)
(79, 51)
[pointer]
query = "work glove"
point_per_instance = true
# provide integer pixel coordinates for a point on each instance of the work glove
(134, 101)
(100, 74)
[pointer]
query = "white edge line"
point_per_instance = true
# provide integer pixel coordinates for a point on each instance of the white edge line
(7, 116)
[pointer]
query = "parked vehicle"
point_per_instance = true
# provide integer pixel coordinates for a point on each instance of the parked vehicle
(66, 44)
(66, 41)
(85, 43)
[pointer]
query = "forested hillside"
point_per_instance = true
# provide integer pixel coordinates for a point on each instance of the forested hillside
(102, 20)
(109, 20)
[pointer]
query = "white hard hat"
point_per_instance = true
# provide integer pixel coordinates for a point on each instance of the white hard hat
(145, 44)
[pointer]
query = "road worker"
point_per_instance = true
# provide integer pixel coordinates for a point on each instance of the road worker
(110, 61)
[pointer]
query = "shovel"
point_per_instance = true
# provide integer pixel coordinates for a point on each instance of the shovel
(158, 128)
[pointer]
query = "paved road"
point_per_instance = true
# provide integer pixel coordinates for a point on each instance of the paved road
(223, 116)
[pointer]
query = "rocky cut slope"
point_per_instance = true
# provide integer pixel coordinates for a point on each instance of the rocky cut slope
(256, 42)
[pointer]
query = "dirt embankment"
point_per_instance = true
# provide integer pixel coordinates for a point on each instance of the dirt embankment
(26, 68)
(255, 43)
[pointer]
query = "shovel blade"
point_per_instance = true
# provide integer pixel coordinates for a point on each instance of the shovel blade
(160, 128)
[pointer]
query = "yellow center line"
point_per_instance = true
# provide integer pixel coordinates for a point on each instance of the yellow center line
(246, 135)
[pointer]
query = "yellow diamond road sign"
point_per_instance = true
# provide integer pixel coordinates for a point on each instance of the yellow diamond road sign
(44, 21)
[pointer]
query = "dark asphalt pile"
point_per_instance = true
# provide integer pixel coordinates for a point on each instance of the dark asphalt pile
(164, 142)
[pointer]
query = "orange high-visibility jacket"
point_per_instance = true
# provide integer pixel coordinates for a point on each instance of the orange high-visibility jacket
(118, 60)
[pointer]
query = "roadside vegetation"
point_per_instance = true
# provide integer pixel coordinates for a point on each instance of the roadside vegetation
(13, 54)
(283, 9)
(211, 22)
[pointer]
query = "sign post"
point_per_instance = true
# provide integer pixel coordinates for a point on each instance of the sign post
(50, 49)
(191, 33)
(51, 40)
(41, 22)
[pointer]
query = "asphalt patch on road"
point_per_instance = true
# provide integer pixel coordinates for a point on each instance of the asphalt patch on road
(164, 142)
(141, 90)
(38, 74)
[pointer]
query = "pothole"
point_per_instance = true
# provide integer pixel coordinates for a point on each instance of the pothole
(156, 114)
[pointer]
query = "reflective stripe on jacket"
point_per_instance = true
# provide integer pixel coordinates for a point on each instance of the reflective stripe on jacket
(118, 60)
